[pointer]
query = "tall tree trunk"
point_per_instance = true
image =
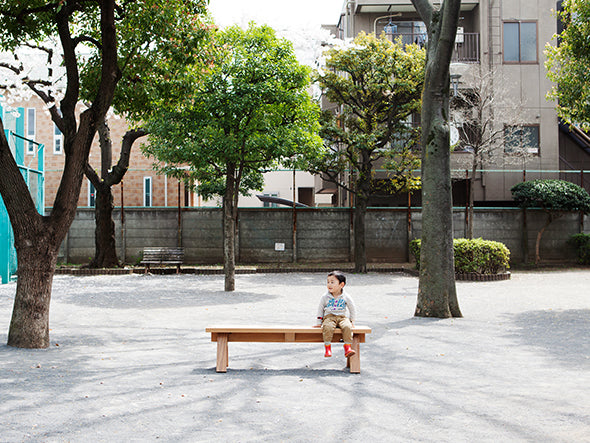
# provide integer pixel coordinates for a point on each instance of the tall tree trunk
(37, 239)
(360, 250)
(229, 230)
(105, 255)
(363, 185)
(29, 326)
(471, 201)
(550, 217)
(437, 296)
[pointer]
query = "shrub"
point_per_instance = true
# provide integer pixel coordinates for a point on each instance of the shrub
(582, 244)
(473, 256)
(551, 195)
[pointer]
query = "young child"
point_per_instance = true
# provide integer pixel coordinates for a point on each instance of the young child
(332, 313)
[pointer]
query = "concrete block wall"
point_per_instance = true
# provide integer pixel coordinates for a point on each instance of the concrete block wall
(388, 237)
(266, 235)
(323, 235)
(202, 235)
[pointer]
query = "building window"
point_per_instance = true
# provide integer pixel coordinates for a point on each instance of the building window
(520, 42)
(521, 139)
(147, 191)
(91, 195)
(58, 139)
(31, 130)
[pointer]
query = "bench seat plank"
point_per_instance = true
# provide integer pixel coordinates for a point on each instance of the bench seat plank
(279, 329)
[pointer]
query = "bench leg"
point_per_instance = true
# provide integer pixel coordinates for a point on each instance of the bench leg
(222, 353)
(354, 362)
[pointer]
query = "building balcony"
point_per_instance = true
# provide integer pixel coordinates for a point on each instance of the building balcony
(466, 44)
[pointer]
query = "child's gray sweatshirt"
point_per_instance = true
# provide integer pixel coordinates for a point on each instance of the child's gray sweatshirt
(336, 305)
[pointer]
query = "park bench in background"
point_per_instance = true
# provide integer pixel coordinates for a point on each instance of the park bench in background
(281, 334)
(162, 256)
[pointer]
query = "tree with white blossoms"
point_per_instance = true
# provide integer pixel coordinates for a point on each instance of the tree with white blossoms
(37, 238)
(76, 30)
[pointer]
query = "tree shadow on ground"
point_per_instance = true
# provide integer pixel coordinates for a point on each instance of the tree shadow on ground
(135, 299)
(305, 373)
(563, 334)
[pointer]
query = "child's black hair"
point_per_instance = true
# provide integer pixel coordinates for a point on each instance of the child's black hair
(339, 276)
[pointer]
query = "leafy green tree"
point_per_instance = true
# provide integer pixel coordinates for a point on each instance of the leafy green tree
(158, 40)
(376, 84)
(568, 64)
(38, 238)
(555, 197)
(245, 114)
(437, 294)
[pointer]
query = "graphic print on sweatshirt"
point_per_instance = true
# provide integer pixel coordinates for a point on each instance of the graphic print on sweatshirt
(336, 304)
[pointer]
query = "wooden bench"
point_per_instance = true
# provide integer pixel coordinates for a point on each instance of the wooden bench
(281, 334)
(162, 256)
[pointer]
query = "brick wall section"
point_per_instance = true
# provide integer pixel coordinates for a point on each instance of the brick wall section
(322, 234)
(165, 190)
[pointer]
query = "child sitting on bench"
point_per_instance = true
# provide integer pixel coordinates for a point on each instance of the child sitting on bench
(332, 313)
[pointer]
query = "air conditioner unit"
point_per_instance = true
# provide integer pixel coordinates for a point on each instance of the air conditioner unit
(460, 37)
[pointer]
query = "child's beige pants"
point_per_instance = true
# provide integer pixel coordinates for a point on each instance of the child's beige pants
(330, 323)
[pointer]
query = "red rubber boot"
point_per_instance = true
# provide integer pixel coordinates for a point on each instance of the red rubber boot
(328, 351)
(348, 351)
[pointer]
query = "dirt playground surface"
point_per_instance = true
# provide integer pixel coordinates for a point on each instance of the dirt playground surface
(130, 361)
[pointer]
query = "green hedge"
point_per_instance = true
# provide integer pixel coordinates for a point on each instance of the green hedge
(582, 244)
(473, 256)
(552, 195)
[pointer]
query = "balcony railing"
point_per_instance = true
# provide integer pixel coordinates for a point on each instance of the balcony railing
(466, 45)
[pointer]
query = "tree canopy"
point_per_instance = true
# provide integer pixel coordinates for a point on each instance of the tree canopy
(249, 109)
(568, 64)
(242, 115)
(158, 42)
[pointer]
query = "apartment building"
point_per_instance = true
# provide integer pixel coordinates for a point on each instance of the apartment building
(505, 38)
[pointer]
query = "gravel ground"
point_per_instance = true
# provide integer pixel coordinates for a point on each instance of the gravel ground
(130, 361)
